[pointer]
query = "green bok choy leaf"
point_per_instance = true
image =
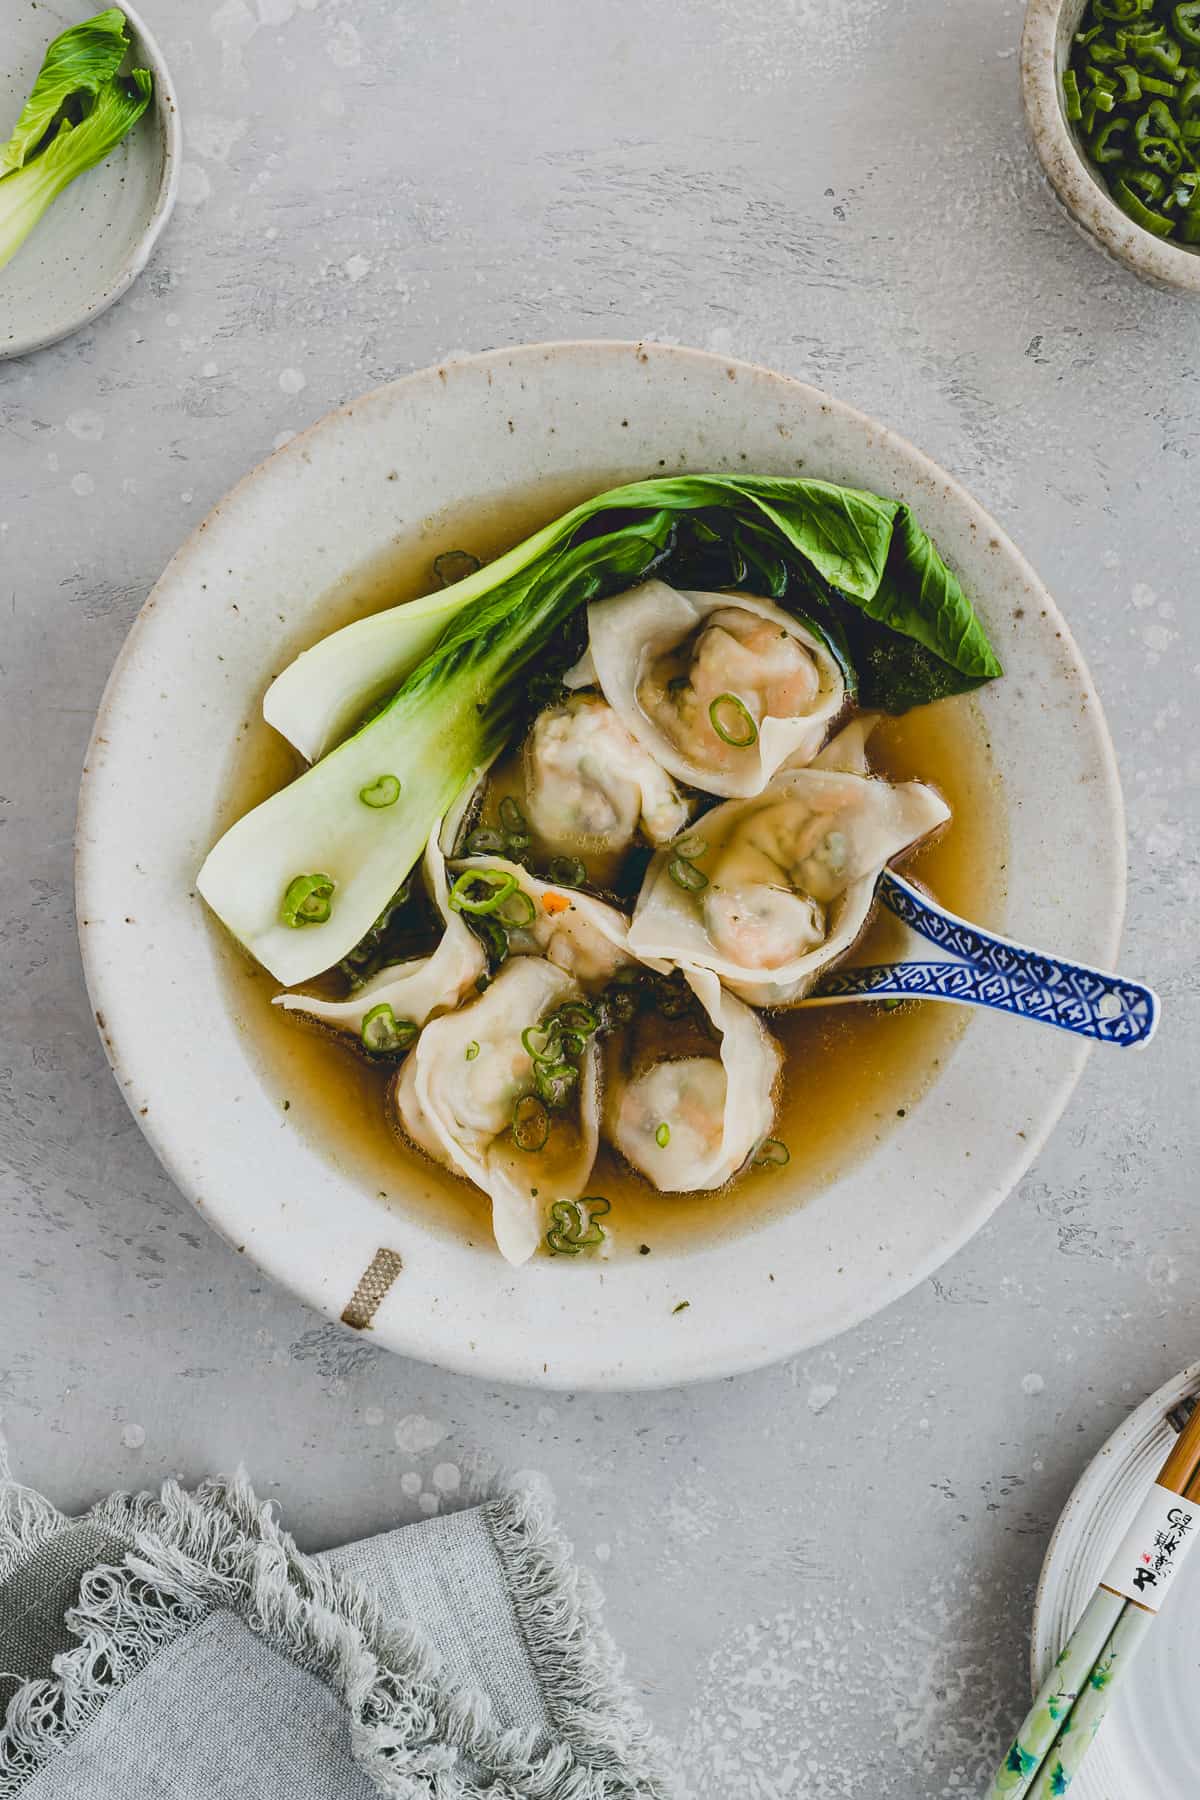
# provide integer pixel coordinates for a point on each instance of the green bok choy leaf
(869, 550)
(453, 672)
(79, 111)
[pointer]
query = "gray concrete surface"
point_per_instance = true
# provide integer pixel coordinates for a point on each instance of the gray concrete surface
(822, 1573)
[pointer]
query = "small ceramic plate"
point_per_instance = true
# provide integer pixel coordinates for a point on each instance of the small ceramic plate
(97, 237)
(1148, 1747)
(262, 577)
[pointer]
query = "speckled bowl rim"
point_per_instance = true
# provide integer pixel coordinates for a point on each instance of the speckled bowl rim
(166, 119)
(656, 1352)
(1067, 170)
(1122, 1468)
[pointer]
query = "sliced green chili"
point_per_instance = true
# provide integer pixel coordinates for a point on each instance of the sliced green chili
(1187, 22)
(536, 1042)
(567, 871)
(772, 1154)
(662, 1136)
(575, 1015)
(500, 883)
(308, 900)
(1107, 145)
(740, 731)
(472, 1049)
(530, 1123)
(686, 875)
(555, 1082)
(383, 1034)
(690, 847)
(1142, 215)
(383, 791)
(511, 816)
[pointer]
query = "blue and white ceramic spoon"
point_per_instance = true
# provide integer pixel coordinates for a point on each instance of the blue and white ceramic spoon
(980, 968)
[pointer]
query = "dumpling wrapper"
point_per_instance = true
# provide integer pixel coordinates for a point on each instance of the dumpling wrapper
(459, 1110)
(729, 643)
(586, 937)
(420, 986)
(791, 879)
(717, 1110)
(589, 783)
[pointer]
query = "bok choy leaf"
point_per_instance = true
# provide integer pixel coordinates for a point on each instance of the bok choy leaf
(456, 711)
(79, 111)
(868, 549)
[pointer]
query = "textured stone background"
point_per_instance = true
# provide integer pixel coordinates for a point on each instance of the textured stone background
(822, 1573)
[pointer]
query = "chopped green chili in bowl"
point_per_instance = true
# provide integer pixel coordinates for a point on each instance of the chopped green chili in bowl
(1131, 95)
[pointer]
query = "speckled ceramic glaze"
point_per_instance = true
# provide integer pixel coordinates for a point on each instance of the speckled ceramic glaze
(1045, 49)
(1148, 1747)
(97, 237)
(250, 584)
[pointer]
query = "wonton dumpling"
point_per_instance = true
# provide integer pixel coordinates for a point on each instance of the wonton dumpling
(665, 658)
(459, 1107)
(789, 879)
(717, 1110)
(586, 937)
(420, 986)
(589, 783)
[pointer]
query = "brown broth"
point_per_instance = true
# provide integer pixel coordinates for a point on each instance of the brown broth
(853, 1075)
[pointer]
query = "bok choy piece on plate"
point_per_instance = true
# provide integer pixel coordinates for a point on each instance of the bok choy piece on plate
(80, 109)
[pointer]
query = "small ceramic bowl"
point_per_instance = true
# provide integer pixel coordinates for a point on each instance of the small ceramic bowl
(97, 237)
(1050, 26)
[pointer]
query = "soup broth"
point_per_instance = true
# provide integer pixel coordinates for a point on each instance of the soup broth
(853, 1074)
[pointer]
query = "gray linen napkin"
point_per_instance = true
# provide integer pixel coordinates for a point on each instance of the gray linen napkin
(182, 1648)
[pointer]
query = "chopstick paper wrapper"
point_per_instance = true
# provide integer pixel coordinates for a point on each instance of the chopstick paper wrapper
(1066, 1714)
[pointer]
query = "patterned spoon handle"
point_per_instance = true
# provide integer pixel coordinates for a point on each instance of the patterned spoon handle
(992, 971)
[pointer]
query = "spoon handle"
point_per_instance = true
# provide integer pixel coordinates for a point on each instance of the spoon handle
(992, 971)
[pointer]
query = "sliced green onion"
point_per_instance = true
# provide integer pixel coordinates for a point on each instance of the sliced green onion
(575, 1229)
(740, 731)
(686, 875)
(455, 565)
(555, 1082)
(567, 871)
(499, 881)
(536, 1042)
(530, 1123)
(690, 847)
(383, 791)
(772, 1154)
(483, 841)
(383, 1034)
(308, 900)
(662, 1136)
(511, 816)
(517, 910)
(472, 1050)
(575, 1015)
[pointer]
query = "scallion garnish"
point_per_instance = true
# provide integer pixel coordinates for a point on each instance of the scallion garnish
(498, 883)
(530, 1123)
(772, 1154)
(308, 900)
(567, 871)
(483, 841)
(472, 1050)
(517, 910)
(383, 791)
(383, 1034)
(662, 1136)
(686, 875)
(575, 1226)
(733, 721)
